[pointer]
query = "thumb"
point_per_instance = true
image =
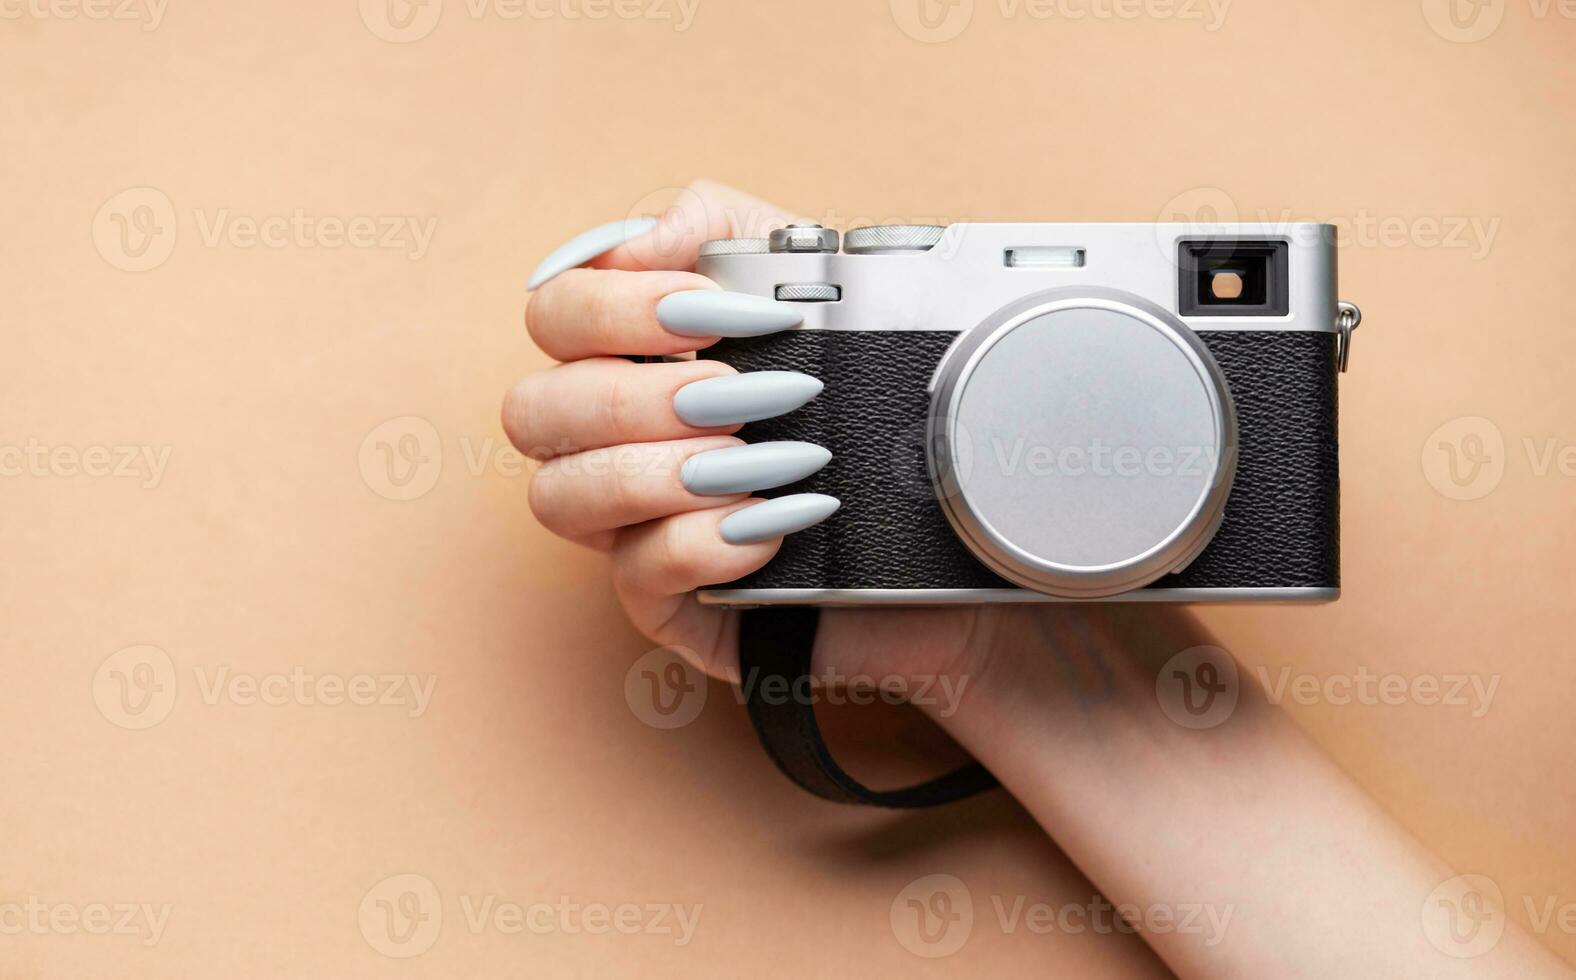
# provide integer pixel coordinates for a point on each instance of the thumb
(704, 210)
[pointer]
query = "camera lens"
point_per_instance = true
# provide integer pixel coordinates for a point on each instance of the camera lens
(1083, 442)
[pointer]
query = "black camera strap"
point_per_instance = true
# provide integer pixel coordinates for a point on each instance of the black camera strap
(775, 646)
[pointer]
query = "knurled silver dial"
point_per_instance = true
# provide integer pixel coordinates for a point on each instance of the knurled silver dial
(734, 246)
(877, 239)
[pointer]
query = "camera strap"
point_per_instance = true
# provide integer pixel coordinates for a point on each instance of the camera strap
(775, 646)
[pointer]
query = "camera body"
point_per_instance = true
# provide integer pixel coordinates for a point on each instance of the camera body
(1054, 412)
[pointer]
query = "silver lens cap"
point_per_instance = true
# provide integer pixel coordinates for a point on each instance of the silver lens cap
(1082, 442)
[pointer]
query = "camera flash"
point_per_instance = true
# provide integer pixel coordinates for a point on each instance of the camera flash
(1045, 257)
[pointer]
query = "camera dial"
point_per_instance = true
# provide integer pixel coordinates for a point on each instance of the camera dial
(1082, 442)
(892, 239)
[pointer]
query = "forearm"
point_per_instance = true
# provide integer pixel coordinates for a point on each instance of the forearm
(1283, 865)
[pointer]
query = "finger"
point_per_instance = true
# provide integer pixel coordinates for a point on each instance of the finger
(703, 211)
(580, 495)
(657, 564)
(707, 635)
(590, 313)
(681, 553)
(604, 402)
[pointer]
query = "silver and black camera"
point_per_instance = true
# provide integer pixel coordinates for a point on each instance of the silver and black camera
(1051, 412)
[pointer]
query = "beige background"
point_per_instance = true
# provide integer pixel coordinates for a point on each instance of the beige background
(269, 542)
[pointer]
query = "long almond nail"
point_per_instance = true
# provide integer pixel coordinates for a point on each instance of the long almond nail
(588, 245)
(715, 313)
(760, 466)
(775, 518)
(749, 397)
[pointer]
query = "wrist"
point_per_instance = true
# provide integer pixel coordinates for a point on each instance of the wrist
(1070, 672)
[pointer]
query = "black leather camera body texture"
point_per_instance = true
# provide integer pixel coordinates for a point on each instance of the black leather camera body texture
(1281, 528)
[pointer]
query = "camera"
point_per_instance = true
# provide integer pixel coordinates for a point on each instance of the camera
(1054, 412)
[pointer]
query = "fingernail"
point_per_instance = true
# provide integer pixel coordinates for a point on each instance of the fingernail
(747, 397)
(588, 245)
(760, 466)
(775, 518)
(715, 313)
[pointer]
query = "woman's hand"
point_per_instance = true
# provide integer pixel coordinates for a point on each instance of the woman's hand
(641, 460)
(1302, 873)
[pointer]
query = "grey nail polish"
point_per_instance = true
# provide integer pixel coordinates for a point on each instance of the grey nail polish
(760, 466)
(775, 518)
(588, 245)
(715, 313)
(748, 397)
